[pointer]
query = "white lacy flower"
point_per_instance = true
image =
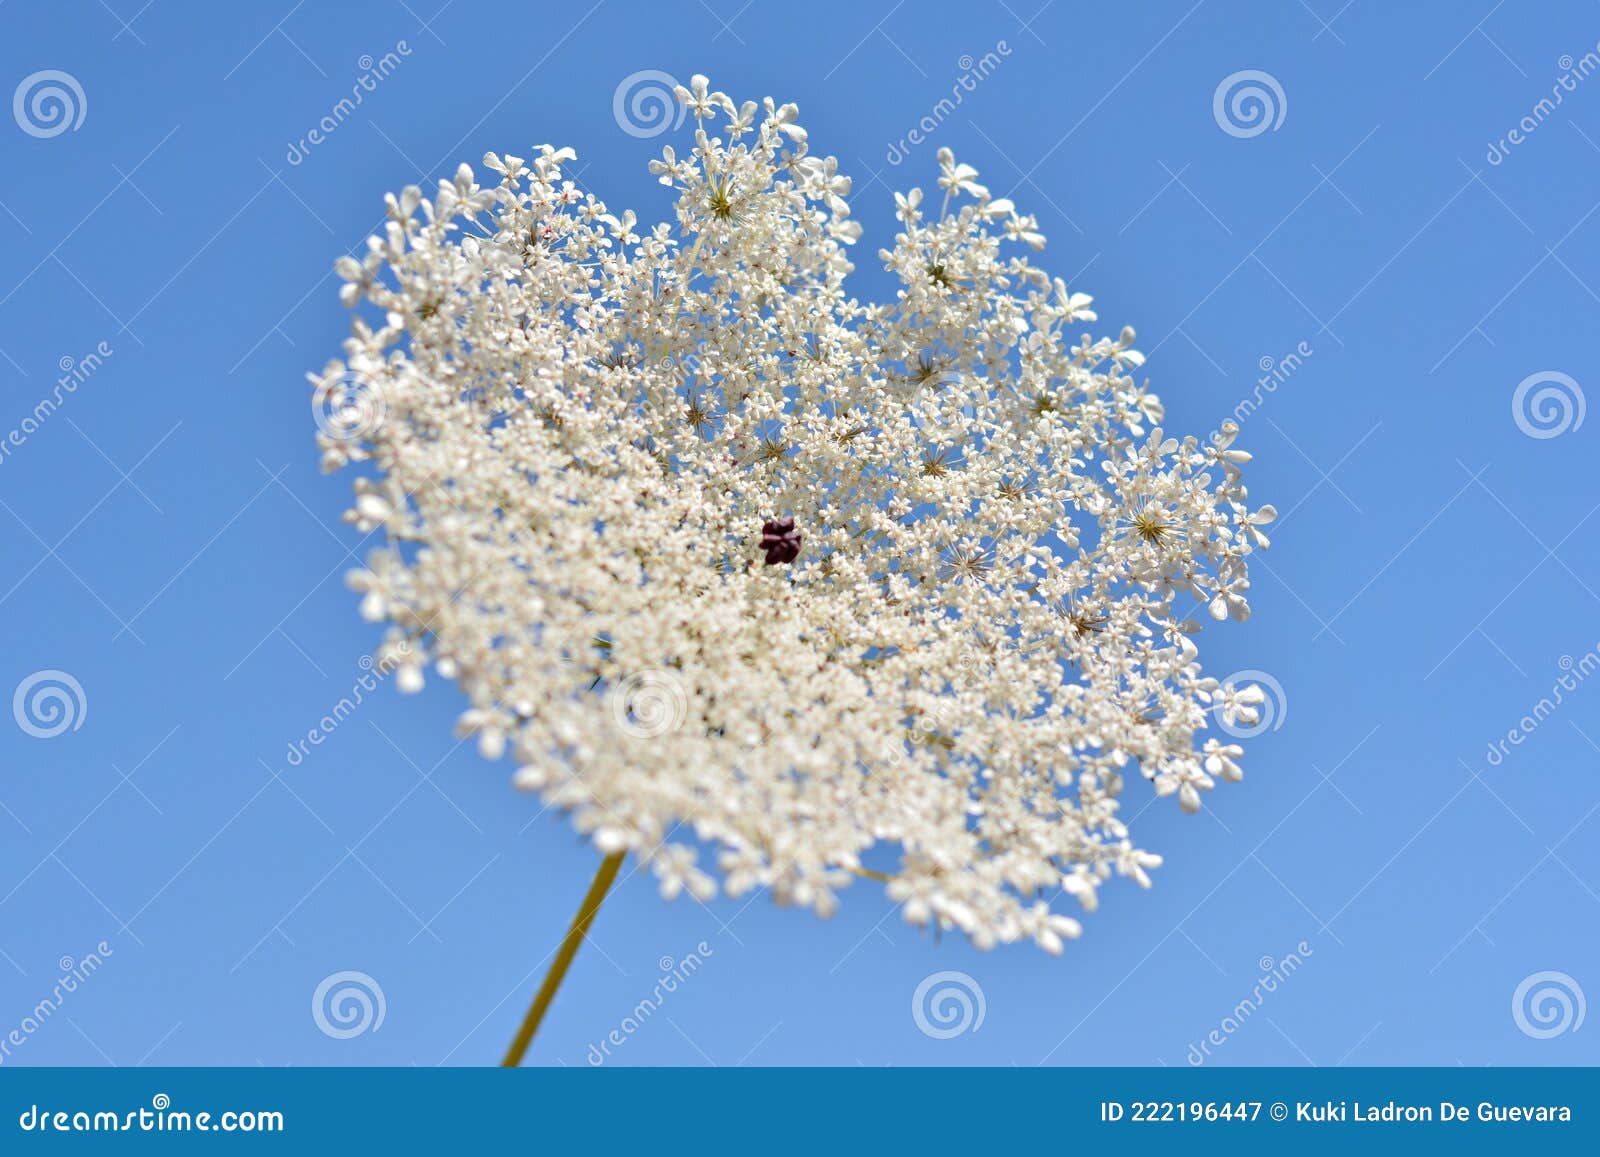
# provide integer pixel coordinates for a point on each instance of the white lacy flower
(740, 568)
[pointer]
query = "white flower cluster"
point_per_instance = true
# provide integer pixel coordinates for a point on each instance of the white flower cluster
(900, 576)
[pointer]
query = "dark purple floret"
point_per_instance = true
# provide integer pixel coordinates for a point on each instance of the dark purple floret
(780, 540)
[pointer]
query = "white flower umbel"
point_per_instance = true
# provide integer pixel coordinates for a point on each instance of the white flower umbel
(753, 577)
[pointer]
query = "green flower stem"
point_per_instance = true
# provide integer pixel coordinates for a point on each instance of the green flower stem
(603, 880)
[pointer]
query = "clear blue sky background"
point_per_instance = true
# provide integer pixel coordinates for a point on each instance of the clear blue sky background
(168, 540)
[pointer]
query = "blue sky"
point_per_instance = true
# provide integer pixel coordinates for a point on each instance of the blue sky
(170, 545)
